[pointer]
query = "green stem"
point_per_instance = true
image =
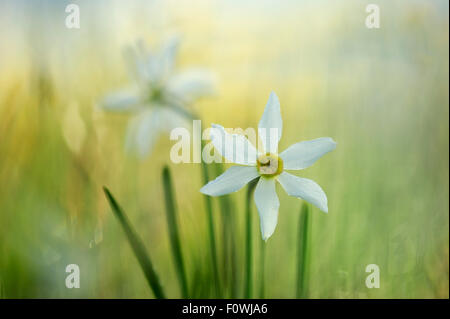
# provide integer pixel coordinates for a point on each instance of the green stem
(137, 246)
(178, 104)
(228, 237)
(171, 214)
(302, 253)
(248, 240)
(263, 270)
(212, 236)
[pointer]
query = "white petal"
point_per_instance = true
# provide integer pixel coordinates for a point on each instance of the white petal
(267, 202)
(151, 66)
(170, 118)
(304, 154)
(230, 181)
(271, 125)
(235, 148)
(136, 57)
(305, 189)
(143, 132)
(123, 100)
(166, 59)
(192, 84)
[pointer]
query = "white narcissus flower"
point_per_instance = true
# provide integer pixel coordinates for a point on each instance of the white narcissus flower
(268, 166)
(158, 95)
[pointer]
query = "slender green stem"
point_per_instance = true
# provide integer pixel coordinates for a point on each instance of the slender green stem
(224, 211)
(179, 105)
(248, 240)
(228, 238)
(234, 266)
(302, 252)
(137, 246)
(212, 236)
(263, 269)
(171, 214)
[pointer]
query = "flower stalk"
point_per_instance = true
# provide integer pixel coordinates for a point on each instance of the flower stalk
(262, 275)
(248, 241)
(302, 252)
(211, 231)
(171, 214)
(228, 238)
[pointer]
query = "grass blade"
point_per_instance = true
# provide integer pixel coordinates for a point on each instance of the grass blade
(302, 252)
(229, 239)
(248, 240)
(212, 236)
(137, 246)
(171, 213)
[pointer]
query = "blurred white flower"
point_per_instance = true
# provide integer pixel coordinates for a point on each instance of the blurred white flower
(158, 96)
(268, 166)
(73, 128)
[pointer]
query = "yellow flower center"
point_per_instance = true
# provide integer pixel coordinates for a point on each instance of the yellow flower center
(269, 165)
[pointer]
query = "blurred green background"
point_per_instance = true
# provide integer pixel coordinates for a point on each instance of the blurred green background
(382, 94)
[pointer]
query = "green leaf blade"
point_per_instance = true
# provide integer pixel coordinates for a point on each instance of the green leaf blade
(171, 214)
(137, 246)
